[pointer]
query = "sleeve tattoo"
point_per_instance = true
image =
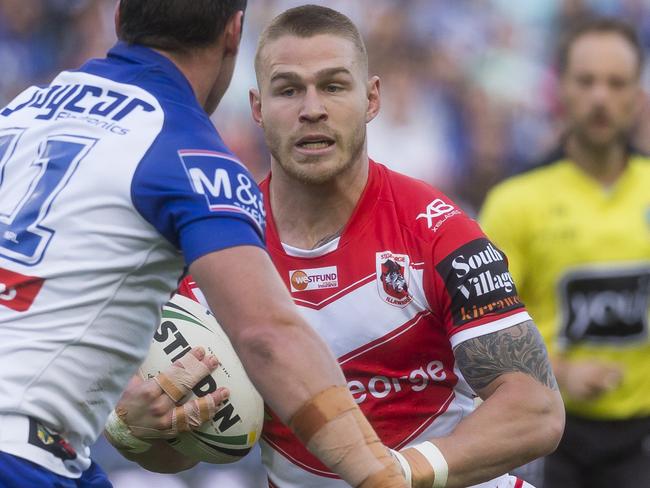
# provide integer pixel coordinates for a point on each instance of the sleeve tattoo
(516, 349)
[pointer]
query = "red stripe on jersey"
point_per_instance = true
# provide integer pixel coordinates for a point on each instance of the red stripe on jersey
(519, 483)
(382, 340)
(402, 382)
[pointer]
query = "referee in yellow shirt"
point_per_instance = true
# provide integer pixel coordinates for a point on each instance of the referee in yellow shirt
(577, 233)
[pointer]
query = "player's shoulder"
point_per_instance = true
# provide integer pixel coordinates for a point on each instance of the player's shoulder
(409, 194)
(424, 210)
(143, 69)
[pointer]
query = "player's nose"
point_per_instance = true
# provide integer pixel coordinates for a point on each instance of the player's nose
(313, 109)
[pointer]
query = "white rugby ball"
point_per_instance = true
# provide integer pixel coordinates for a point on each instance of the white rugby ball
(236, 427)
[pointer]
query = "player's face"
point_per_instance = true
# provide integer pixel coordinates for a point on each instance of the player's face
(314, 102)
(600, 88)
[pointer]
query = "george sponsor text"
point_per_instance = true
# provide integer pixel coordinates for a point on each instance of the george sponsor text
(382, 386)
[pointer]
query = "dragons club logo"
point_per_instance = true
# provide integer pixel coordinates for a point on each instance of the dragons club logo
(393, 278)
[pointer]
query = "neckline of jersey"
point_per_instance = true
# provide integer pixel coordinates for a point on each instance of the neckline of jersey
(362, 215)
(604, 191)
(296, 252)
(144, 55)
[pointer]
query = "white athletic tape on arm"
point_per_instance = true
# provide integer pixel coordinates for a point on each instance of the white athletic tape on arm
(437, 461)
(406, 467)
(123, 437)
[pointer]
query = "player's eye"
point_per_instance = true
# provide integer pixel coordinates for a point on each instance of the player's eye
(333, 88)
(617, 83)
(288, 92)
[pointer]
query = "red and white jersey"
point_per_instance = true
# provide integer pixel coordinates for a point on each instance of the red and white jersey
(410, 277)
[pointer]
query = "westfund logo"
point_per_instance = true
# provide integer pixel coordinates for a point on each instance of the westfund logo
(18, 291)
(478, 281)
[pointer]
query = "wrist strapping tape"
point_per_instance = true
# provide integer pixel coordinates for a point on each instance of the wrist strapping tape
(123, 437)
(333, 428)
(437, 461)
(406, 467)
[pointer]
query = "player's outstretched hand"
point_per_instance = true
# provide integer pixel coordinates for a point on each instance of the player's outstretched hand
(153, 408)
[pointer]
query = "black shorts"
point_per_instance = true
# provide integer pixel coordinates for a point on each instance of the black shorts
(601, 454)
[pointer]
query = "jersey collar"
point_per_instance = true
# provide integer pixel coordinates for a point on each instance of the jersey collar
(145, 56)
(361, 216)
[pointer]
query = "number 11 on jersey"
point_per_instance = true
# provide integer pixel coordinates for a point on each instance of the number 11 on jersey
(22, 237)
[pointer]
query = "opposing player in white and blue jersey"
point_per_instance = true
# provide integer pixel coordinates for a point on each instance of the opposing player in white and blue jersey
(110, 178)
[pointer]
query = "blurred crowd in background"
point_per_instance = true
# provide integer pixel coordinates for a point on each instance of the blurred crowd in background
(469, 87)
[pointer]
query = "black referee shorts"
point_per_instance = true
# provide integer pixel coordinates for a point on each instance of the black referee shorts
(601, 454)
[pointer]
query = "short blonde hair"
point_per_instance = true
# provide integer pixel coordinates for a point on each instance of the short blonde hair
(309, 21)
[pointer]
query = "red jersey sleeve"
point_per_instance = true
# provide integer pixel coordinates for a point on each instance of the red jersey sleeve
(467, 281)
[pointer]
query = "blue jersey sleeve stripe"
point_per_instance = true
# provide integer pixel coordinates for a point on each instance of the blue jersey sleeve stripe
(237, 232)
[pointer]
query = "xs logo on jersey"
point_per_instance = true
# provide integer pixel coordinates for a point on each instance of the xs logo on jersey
(225, 183)
(434, 210)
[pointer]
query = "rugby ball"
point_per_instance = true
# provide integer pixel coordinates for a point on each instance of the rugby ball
(236, 427)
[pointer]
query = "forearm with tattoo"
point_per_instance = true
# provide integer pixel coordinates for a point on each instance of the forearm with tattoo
(516, 349)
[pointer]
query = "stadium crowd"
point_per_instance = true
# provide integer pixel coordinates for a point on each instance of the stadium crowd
(469, 87)
(469, 84)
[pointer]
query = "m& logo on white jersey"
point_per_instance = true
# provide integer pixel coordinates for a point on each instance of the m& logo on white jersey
(314, 279)
(393, 278)
(434, 210)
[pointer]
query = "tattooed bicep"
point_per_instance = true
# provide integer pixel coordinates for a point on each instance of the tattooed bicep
(516, 349)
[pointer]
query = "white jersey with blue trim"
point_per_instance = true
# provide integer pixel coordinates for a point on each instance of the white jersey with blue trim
(110, 177)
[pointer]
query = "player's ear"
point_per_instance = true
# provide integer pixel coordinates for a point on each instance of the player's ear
(374, 99)
(232, 33)
(116, 18)
(256, 106)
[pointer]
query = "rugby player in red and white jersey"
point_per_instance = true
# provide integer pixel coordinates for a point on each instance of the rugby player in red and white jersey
(408, 292)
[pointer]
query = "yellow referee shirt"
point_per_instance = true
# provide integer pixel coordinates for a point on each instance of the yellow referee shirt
(580, 256)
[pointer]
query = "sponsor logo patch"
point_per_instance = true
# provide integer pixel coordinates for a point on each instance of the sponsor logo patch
(605, 305)
(50, 441)
(18, 291)
(393, 278)
(225, 183)
(314, 279)
(436, 209)
(478, 281)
